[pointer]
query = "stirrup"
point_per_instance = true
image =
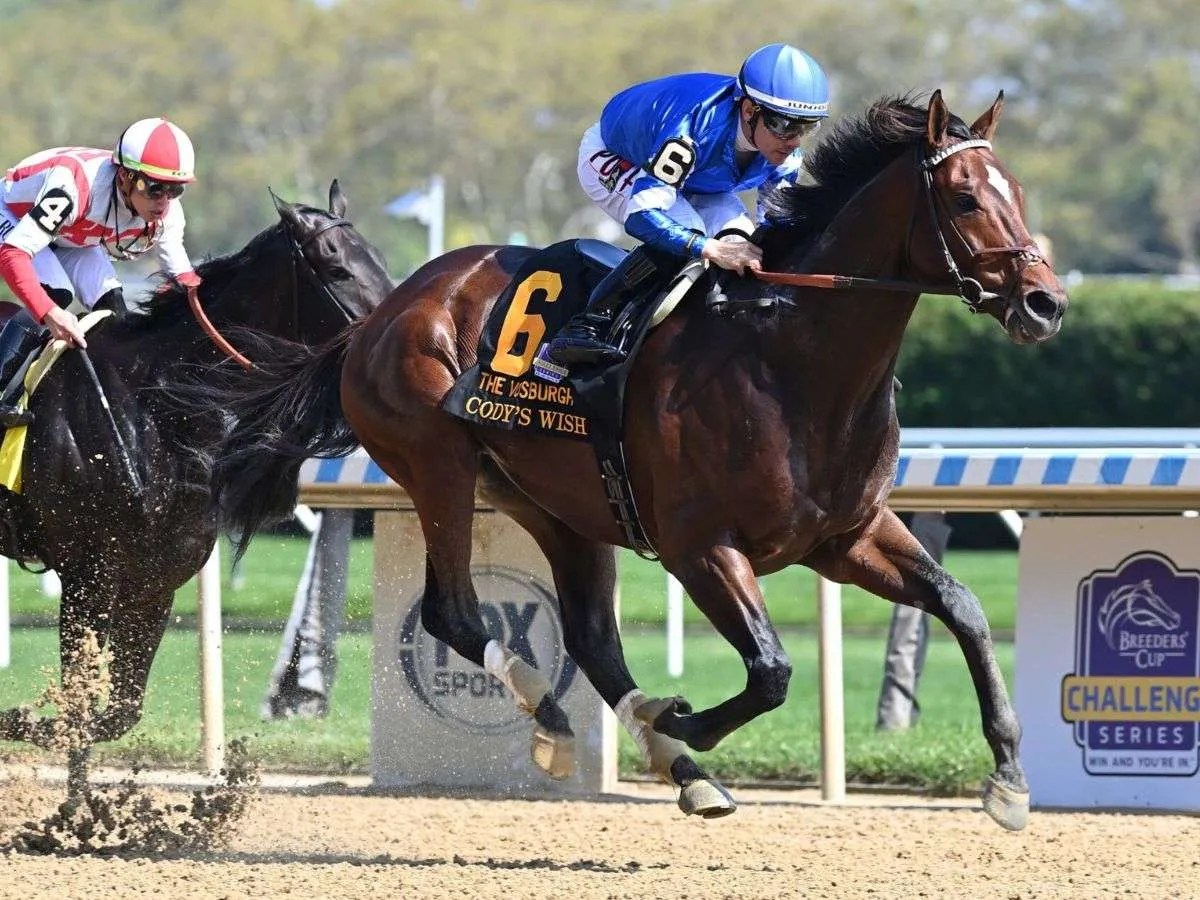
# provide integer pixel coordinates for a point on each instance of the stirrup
(592, 352)
(716, 301)
(11, 416)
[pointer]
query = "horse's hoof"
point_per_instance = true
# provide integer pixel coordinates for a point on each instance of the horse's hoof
(707, 799)
(554, 754)
(1010, 808)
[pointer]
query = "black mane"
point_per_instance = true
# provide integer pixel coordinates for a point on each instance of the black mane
(855, 151)
(167, 304)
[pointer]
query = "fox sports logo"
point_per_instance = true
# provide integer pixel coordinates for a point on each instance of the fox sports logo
(519, 611)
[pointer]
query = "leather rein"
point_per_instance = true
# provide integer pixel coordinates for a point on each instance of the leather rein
(299, 263)
(969, 290)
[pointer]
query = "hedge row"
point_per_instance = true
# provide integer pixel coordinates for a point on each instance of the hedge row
(1126, 357)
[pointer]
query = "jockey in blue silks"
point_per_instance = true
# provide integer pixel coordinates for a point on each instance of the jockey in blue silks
(667, 159)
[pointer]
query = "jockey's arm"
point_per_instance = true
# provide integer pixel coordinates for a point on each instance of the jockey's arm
(16, 267)
(656, 229)
(171, 252)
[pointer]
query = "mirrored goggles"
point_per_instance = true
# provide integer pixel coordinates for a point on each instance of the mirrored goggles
(785, 127)
(156, 190)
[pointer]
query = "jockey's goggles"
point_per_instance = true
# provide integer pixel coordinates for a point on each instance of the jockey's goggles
(156, 190)
(786, 127)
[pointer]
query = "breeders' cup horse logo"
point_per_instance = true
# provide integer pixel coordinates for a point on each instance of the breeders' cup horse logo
(521, 613)
(1133, 701)
(1137, 605)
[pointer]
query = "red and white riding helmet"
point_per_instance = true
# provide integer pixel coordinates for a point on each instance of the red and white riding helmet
(158, 149)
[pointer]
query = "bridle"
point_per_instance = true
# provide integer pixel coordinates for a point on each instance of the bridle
(969, 290)
(300, 264)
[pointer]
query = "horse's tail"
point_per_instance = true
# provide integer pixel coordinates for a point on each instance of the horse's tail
(283, 411)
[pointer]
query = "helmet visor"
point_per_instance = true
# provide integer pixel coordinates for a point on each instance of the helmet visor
(787, 128)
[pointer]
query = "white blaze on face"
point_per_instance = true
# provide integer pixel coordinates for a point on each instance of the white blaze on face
(1000, 183)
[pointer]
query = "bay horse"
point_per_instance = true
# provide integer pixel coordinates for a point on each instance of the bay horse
(126, 523)
(755, 441)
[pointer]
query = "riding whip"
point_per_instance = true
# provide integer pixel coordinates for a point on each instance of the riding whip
(122, 451)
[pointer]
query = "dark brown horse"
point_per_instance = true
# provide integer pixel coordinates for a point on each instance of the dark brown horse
(754, 442)
(125, 525)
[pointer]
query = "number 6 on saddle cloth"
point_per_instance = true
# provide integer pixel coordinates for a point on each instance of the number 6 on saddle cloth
(515, 385)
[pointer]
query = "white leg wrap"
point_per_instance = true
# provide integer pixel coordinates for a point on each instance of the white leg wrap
(527, 684)
(636, 712)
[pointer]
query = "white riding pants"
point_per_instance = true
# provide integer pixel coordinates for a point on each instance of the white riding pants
(86, 273)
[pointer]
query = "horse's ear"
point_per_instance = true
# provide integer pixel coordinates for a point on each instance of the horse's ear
(287, 212)
(939, 120)
(337, 200)
(985, 125)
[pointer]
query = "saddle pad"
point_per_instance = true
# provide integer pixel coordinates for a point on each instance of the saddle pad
(12, 450)
(513, 386)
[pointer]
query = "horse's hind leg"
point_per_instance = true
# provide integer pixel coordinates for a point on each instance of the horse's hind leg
(888, 561)
(584, 579)
(442, 487)
(133, 641)
(552, 747)
(132, 636)
(84, 613)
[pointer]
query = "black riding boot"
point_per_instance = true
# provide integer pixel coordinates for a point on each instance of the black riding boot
(21, 335)
(582, 338)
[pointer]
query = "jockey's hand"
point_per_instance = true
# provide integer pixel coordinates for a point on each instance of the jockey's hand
(65, 326)
(737, 256)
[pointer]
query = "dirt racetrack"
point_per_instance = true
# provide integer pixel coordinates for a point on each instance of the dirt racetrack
(344, 841)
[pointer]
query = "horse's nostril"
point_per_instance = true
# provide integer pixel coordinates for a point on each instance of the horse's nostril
(1040, 305)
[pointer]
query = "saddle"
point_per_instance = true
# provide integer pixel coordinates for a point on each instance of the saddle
(515, 385)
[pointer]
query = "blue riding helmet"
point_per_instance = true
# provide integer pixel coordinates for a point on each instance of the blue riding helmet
(785, 80)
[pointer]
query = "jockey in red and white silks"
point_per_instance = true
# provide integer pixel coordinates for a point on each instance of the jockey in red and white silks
(65, 213)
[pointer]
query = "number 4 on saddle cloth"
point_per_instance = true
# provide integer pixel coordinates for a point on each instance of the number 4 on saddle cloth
(516, 387)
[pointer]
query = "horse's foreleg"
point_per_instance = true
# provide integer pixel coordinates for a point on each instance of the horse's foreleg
(722, 584)
(78, 763)
(888, 561)
(133, 640)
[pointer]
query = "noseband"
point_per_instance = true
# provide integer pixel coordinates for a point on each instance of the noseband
(969, 290)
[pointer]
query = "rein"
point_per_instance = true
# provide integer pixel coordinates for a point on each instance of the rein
(969, 290)
(193, 296)
(299, 262)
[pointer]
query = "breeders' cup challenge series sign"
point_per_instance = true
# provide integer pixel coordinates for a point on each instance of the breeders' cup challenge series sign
(1108, 661)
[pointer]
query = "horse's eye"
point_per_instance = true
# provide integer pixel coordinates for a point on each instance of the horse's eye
(338, 272)
(966, 203)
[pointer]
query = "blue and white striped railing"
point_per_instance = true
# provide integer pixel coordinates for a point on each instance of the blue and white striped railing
(1093, 478)
(1135, 467)
(1142, 478)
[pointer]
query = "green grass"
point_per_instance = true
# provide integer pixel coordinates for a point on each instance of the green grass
(946, 752)
(792, 594)
(273, 563)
